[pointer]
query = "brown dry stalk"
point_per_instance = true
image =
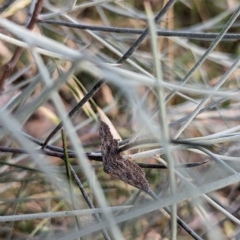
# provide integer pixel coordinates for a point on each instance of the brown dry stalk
(117, 166)
(6, 69)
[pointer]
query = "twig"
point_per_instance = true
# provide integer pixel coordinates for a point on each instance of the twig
(92, 156)
(69, 176)
(88, 200)
(96, 156)
(164, 33)
(7, 68)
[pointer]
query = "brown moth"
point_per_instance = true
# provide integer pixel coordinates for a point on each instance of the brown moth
(117, 166)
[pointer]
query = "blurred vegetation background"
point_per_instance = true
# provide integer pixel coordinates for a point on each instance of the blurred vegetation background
(49, 80)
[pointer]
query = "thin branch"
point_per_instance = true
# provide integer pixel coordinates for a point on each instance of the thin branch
(69, 177)
(91, 156)
(88, 200)
(7, 68)
(163, 33)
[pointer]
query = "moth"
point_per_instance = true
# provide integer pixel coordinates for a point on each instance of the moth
(117, 166)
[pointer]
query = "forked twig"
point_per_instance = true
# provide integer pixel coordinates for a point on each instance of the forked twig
(7, 68)
(127, 171)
